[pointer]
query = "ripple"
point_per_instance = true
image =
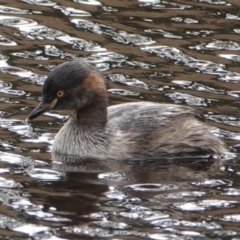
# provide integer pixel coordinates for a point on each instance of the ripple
(203, 66)
(47, 3)
(115, 194)
(213, 183)
(218, 45)
(220, 2)
(8, 100)
(5, 68)
(6, 9)
(106, 57)
(147, 187)
(123, 92)
(17, 22)
(4, 41)
(205, 205)
(81, 44)
(232, 57)
(189, 224)
(53, 51)
(202, 33)
(5, 87)
(8, 183)
(181, 195)
(14, 158)
(118, 35)
(197, 86)
(237, 30)
(41, 32)
(31, 229)
(127, 80)
(111, 225)
(232, 77)
(41, 215)
(232, 17)
(115, 176)
(31, 55)
(21, 204)
(34, 31)
(163, 33)
(135, 39)
(44, 174)
(99, 232)
(17, 126)
(189, 99)
(158, 236)
(156, 4)
(89, 2)
(185, 20)
(231, 218)
(232, 192)
(227, 233)
(17, 71)
(228, 120)
(135, 64)
(35, 79)
(109, 9)
(72, 12)
(94, 27)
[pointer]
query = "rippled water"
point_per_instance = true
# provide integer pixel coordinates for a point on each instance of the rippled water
(176, 51)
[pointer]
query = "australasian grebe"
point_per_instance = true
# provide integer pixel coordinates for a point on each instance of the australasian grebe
(139, 130)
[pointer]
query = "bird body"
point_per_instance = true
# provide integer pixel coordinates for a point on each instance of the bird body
(138, 130)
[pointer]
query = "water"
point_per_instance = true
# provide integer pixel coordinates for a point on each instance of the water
(181, 51)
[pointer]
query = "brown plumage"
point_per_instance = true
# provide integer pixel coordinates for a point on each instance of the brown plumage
(140, 130)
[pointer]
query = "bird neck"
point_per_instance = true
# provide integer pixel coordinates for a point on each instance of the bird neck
(94, 115)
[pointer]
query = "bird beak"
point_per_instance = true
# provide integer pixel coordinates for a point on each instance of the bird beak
(41, 108)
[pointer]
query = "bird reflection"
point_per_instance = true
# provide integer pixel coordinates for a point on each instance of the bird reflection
(90, 188)
(149, 170)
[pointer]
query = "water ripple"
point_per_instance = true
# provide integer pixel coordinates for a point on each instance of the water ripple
(203, 66)
(123, 92)
(6, 9)
(152, 187)
(189, 99)
(231, 218)
(30, 55)
(47, 3)
(6, 87)
(127, 80)
(88, 2)
(163, 33)
(44, 174)
(220, 2)
(218, 45)
(205, 204)
(4, 41)
(31, 229)
(156, 4)
(17, 22)
(118, 35)
(72, 12)
(5, 183)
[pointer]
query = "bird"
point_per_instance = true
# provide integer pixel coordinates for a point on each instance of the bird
(135, 130)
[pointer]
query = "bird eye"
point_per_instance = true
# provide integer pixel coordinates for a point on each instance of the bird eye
(60, 93)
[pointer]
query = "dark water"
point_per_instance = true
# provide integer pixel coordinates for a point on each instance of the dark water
(184, 52)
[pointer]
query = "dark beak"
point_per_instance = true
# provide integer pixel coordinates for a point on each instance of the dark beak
(39, 110)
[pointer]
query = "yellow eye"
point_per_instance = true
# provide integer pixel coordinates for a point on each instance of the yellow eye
(60, 93)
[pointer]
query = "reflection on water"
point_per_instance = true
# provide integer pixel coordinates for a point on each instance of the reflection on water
(184, 52)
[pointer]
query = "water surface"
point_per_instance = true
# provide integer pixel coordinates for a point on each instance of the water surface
(174, 51)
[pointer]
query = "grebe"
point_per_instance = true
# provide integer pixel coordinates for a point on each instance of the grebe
(138, 130)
